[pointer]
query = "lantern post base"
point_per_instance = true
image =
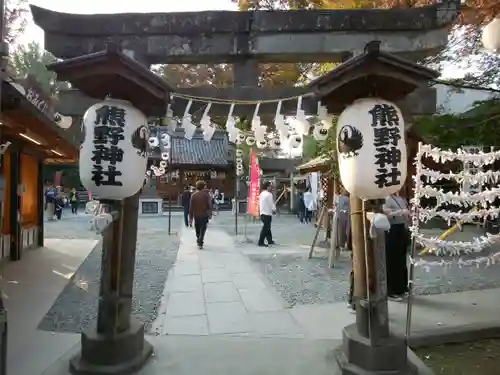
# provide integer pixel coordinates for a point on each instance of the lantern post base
(357, 356)
(122, 354)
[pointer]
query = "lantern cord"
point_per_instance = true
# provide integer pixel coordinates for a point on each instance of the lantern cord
(207, 99)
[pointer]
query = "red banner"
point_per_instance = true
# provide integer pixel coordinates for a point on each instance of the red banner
(254, 186)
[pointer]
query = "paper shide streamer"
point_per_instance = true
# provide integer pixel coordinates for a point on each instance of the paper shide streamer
(476, 206)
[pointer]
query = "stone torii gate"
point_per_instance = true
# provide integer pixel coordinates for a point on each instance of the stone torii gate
(246, 39)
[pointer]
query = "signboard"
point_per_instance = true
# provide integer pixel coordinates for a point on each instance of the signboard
(36, 96)
(254, 186)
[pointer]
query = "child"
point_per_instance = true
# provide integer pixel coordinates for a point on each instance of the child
(59, 205)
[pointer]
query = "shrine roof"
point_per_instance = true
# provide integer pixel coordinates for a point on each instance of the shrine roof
(318, 164)
(278, 164)
(24, 116)
(197, 151)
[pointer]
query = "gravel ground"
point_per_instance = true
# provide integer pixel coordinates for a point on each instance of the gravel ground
(76, 306)
(304, 281)
(287, 230)
(309, 281)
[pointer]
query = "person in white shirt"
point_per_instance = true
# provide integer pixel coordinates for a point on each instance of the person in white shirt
(266, 209)
(309, 205)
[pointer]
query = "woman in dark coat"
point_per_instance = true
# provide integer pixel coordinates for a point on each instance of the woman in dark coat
(397, 240)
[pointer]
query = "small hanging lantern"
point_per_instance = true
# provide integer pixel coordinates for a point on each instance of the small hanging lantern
(165, 140)
(250, 141)
(241, 137)
(295, 140)
(262, 144)
(320, 132)
(239, 163)
(113, 156)
(275, 144)
(153, 142)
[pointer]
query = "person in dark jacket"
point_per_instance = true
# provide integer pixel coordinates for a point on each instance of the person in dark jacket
(301, 207)
(200, 210)
(186, 200)
(59, 205)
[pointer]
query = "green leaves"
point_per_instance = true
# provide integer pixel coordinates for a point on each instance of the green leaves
(478, 126)
(33, 59)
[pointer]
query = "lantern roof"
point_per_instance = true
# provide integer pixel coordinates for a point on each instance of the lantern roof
(374, 73)
(112, 73)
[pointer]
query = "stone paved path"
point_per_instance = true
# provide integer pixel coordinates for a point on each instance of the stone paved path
(218, 291)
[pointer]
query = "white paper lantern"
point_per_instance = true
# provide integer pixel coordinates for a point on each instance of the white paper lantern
(262, 144)
(275, 143)
(241, 138)
(371, 148)
(320, 133)
(165, 156)
(163, 164)
(153, 142)
(250, 141)
(295, 140)
(491, 35)
(113, 155)
(239, 153)
(165, 140)
(91, 207)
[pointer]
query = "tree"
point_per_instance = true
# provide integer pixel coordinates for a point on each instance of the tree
(186, 75)
(463, 50)
(15, 22)
(33, 59)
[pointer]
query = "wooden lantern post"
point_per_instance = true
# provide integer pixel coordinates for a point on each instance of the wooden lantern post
(116, 345)
(368, 347)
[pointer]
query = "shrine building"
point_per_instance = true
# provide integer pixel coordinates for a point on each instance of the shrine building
(191, 160)
(29, 138)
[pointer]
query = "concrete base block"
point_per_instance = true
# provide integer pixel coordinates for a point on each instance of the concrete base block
(390, 357)
(122, 354)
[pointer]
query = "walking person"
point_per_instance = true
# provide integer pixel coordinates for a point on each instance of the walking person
(302, 207)
(59, 206)
(397, 240)
(308, 205)
(73, 200)
(50, 200)
(343, 220)
(266, 209)
(217, 200)
(200, 210)
(186, 200)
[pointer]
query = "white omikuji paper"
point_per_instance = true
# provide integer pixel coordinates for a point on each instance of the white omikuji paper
(359, 172)
(134, 163)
